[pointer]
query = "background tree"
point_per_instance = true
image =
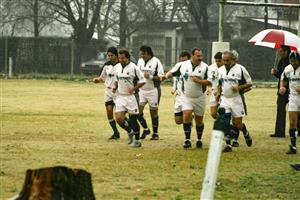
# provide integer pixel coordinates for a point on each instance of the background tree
(25, 16)
(198, 10)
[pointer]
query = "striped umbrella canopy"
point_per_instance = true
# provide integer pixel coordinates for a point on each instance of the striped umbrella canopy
(275, 38)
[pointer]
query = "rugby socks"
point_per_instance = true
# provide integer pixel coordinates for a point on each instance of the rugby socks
(227, 131)
(155, 125)
(142, 120)
(113, 125)
(135, 126)
(126, 119)
(125, 125)
(244, 130)
(199, 129)
(235, 132)
(187, 130)
(293, 136)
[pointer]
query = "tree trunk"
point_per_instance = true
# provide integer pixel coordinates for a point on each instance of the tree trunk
(123, 23)
(57, 183)
(36, 18)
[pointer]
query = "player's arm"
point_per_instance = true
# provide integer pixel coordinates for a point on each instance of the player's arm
(204, 81)
(200, 81)
(246, 82)
(175, 71)
(283, 84)
(141, 80)
(102, 75)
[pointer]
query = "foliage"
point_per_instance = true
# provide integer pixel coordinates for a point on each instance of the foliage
(30, 16)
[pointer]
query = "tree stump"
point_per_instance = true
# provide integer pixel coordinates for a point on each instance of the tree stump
(57, 183)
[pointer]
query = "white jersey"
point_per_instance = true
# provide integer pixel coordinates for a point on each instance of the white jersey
(154, 67)
(108, 74)
(186, 70)
(213, 75)
(127, 76)
(292, 76)
(237, 75)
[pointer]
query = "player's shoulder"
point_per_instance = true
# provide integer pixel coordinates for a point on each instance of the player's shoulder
(222, 68)
(140, 61)
(289, 68)
(107, 63)
(118, 65)
(203, 64)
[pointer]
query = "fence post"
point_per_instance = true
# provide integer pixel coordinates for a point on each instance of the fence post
(72, 57)
(213, 159)
(10, 65)
(5, 54)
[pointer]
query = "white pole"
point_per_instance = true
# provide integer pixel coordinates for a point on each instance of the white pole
(212, 165)
(214, 155)
(10, 67)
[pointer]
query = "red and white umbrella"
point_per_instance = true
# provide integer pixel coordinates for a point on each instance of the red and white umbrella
(274, 38)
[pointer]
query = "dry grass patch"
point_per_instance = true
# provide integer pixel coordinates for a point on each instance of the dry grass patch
(48, 123)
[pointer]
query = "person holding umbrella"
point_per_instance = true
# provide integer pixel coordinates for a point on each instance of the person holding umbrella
(291, 77)
(282, 100)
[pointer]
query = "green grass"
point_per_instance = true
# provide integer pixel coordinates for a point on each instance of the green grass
(54, 122)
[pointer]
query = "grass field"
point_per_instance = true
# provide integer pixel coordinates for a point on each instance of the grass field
(49, 123)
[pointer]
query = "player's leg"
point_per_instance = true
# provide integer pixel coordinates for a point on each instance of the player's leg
(178, 110)
(133, 110)
(213, 106)
(238, 124)
(141, 117)
(155, 122)
(187, 126)
(199, 129)
(120, 113)
(225, 103)
(199, 109)
(178, 117)
(110, 116)
(293, 116)
(153, 99)
(293, 108)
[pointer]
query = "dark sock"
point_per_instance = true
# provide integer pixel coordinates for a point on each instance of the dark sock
(199, 129)
(142, 120)
(127, 120)
(155, 125)
(135, 126)
(293, 136)
(113, 125)
(125, 126)
(244, 130)
(187, 130)
(235, 132)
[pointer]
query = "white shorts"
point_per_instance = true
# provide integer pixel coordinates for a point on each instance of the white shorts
(233, 105)
(195, 104)
(212, 101)
(149, 96)
(109, 96)
(178, 104)
(127, 103)
(294, 103)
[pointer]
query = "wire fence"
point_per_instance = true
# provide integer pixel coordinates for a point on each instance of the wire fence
(60, 55)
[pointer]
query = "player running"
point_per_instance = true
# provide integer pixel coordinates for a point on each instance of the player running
(194, 82)
(233, 78)
(128, 79)
(150, 93)
(291, 75)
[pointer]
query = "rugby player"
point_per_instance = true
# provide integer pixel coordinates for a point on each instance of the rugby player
(128, 79)
(150, 93)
